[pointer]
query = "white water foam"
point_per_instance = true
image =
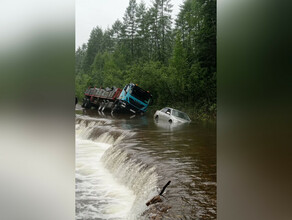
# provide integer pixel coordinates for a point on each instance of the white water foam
(98, 193)
(142, 180)
(109, 183)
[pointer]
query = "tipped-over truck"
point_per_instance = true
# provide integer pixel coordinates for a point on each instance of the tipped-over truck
(130, 99)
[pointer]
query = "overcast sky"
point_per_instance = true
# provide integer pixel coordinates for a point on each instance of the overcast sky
(103, 13)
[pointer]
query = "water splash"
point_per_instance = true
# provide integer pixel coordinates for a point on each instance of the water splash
(138, 177)
(110, 184)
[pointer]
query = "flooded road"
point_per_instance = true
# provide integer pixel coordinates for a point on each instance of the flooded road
(122, 162)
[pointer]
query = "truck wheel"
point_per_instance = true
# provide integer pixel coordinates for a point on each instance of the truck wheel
(104, 106)
(88, 104)
(170, 121)
(83, 103)
(114, 108)
(100, 106)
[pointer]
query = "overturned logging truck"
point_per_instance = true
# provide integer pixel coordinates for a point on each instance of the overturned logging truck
(130, 99)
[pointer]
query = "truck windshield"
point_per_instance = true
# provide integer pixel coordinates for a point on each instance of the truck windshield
(141, 94)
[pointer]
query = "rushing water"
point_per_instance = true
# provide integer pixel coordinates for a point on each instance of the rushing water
(123, 162)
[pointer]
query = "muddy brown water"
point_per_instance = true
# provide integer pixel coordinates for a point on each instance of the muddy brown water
(183, 154)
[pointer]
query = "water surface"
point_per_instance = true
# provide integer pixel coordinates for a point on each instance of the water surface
(122, 162)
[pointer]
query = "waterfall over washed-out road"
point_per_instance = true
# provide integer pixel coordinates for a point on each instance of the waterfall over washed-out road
(121, 163)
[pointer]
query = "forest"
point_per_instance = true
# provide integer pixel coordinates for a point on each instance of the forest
(173, 58)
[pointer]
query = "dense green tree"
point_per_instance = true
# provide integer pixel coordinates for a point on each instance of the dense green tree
(176, 64)
(180, 63)
(197, 24)
(117, 32)
(108, 40)
(94, 46)
(161, 28)
(130, 25)
(142, 32)
(79, 58)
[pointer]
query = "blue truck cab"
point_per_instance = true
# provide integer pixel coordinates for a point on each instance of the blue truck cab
(133, 99)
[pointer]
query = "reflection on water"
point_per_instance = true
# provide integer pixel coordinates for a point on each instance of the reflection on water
(165, 125)
(184, 154)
